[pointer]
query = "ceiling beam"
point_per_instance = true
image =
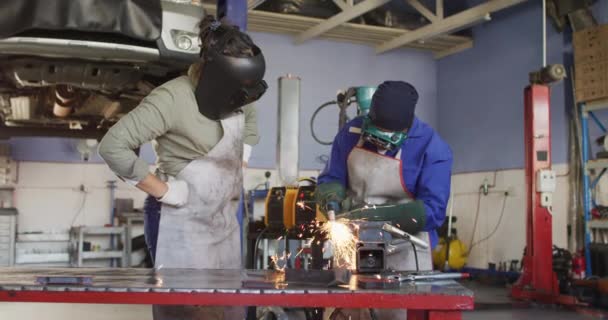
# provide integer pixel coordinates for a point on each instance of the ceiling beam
(455, 49)
(448, 25)
(439, 8)
(339, 19)
(343, 5)
(252, 4)
(422, 9)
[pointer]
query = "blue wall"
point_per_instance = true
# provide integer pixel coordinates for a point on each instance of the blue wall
(481, 90)
(324, 67)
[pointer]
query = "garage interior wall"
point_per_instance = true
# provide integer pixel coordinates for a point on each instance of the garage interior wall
(480, 97)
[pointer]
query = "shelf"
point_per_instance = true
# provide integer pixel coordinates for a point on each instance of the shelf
(598, 224)
(34, 258)
(132, 215)
(597, 164)
(595, 105)
(101, 254)
(100, 230)
(43, 237)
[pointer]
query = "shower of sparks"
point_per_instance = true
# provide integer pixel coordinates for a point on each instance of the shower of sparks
(303, 205)
(298, 254)
(283, 258)
(343, 243)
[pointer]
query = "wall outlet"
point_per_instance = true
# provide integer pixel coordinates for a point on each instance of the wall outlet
(546, 199)
(485, 187)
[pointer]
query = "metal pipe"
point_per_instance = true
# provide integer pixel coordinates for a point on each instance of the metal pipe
(586, 197)
(450, 213)
(112, 187)
(28, 131)
(544, 33)
(288, 134)
(265, 255)
(400, 233)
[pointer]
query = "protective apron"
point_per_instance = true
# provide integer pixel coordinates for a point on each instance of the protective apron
(204, 234)
(378, 179)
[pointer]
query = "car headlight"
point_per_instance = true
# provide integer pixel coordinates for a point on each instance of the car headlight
(183, 42)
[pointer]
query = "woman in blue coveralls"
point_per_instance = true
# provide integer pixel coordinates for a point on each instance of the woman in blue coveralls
(392, 159)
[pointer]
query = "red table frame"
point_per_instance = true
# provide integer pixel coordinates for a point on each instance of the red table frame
(420, 307)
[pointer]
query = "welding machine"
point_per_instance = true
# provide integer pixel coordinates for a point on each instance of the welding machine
(305, 209)
(287, 207)
(276, 202)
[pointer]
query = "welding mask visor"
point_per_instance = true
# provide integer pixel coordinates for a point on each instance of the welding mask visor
(381, 138)
(228, 83)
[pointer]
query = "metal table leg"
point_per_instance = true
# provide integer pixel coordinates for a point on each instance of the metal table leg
(265, 255)
(128, 244)
(433, 315)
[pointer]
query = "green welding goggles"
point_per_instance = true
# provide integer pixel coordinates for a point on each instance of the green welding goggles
(387, 140)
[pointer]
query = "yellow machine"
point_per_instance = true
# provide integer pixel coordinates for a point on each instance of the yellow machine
(456, 254)
(287, 207)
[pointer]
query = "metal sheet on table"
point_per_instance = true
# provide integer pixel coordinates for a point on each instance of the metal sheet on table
(202, 281)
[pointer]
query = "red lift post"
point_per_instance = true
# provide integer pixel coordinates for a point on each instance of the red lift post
(538, 281)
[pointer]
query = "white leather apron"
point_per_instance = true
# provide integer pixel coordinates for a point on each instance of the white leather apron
(378, 179)
(204, 234)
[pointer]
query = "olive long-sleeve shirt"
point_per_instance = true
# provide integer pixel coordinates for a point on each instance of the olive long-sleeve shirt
(168, 115)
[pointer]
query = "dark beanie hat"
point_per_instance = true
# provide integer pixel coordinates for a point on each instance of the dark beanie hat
(393, 105)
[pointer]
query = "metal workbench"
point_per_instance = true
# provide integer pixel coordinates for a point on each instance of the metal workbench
(424, 300)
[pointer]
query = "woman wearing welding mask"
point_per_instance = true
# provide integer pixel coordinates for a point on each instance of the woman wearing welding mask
(393, 160)
(200, 124)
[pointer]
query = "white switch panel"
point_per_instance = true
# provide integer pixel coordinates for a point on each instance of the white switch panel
(545, 181)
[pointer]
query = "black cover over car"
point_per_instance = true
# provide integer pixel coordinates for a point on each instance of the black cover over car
(138, 19)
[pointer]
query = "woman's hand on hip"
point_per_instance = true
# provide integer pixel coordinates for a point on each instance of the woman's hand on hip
(177, 193)
(173, 193)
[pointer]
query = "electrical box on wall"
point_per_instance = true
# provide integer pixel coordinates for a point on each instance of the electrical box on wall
(546, 199)
(546, 181)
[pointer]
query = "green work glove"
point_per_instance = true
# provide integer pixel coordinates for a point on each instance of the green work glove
(329, 196)
(347, 204)
(409, 217)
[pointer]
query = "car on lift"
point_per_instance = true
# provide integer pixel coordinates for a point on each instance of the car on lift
(72, 68)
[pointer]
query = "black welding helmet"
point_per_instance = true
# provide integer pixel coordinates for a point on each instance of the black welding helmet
(228, 83)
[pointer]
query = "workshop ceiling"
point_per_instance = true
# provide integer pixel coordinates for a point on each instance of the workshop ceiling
(383, 24)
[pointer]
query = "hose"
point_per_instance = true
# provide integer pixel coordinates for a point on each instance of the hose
(255, 249)
(312, 122)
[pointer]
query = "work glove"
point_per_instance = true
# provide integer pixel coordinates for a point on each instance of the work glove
(347, 204)
(329, 196)
(176, 195)
(409, 217)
